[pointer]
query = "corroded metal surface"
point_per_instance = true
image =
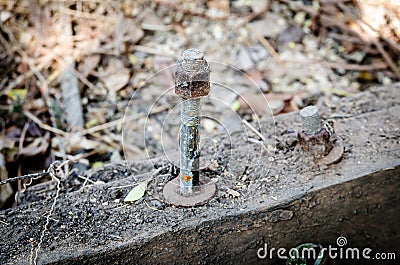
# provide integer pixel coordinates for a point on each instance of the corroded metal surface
(192, 77)
(199, 195)
(189, 138)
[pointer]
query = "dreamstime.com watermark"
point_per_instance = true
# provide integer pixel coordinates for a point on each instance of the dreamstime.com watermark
(339, 251)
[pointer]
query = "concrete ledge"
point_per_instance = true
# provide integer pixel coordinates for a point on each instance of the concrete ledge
(293, 202)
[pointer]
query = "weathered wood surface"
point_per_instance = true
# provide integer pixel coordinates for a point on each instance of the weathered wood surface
(293, 202)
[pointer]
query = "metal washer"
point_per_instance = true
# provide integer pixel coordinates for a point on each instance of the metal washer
(205, 193)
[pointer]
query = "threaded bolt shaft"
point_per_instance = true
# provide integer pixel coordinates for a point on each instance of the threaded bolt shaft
(189, 144)
(310, 119)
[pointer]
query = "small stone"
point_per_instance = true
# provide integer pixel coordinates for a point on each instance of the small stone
(244, 60)
(271, 26)
(158, 205)
(233, 193)
(300, 17)
(276, 106)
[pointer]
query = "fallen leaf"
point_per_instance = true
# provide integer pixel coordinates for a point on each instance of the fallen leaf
(256, 76)
(97, 164)
(127, 30)
(15, 94)
(235, 106)
(77, 142)
(220, 5)
(91, 123)
(290, 34)
(261, 104)
(136, 193)
(132, 59)
(336, 91)
(88, 64)
(116, 76)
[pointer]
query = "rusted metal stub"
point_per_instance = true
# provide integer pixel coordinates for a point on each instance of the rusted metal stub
(319, 140)
(200, 195)
(319, 144)
(192, 76)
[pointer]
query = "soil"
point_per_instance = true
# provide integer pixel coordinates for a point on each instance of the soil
(93, 218)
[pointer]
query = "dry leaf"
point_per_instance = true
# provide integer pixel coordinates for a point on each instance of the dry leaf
(88, 64)
(77, 142)
(290, 34)
(136, 193)
(116, 76)
(15, 94)
(259, 104)
(126, 30)
(220, 5)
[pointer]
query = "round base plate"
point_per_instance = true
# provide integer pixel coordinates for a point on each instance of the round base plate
(204, 193)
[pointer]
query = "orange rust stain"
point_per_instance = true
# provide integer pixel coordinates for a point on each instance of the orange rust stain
(186, 178)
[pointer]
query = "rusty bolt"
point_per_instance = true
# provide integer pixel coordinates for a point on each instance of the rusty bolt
(192, 81)
(316, 136)
(312, 134)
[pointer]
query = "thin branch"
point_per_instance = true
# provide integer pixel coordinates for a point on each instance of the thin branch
(121, 120)
(269, 48)
(254, 130)
(44, 126)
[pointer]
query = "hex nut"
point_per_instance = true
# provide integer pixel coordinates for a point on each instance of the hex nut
(192, 75)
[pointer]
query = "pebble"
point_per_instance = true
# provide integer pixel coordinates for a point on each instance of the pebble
(158, 205)
(299, 18)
